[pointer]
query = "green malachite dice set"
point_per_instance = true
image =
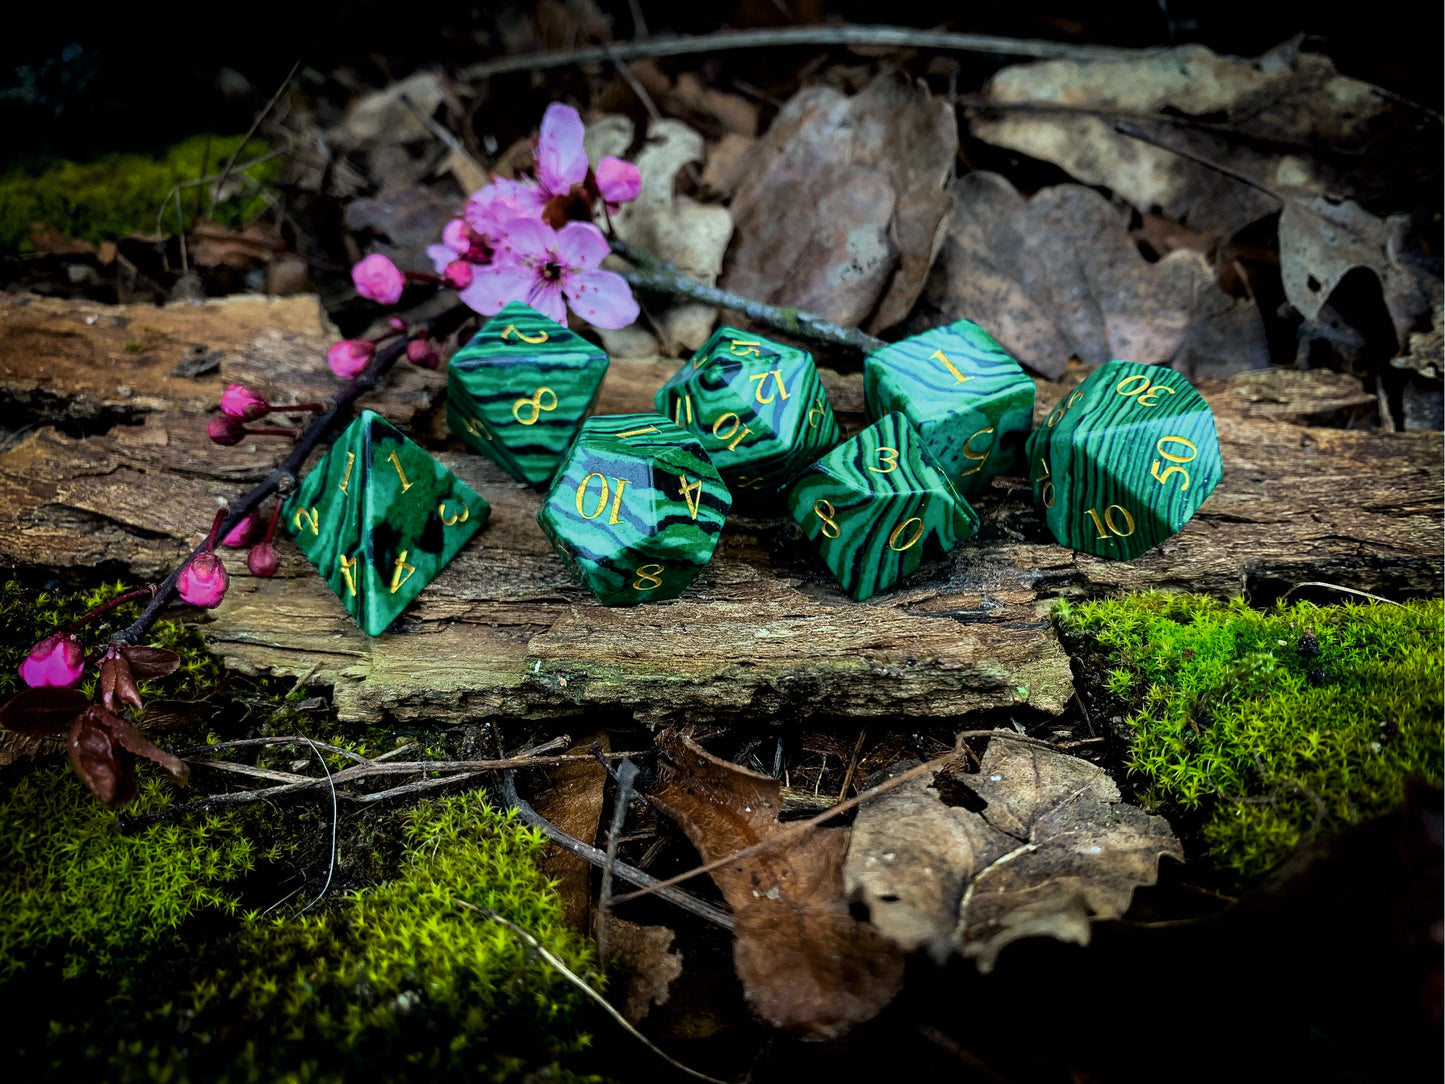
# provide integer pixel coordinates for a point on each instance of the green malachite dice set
(635, 503)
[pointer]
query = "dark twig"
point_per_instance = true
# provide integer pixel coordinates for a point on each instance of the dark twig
(687, 902)
(799, 828)
(651, 273)
(283, 478)
(893, 36)
(261, 116)
(567, 973)
(626, 776)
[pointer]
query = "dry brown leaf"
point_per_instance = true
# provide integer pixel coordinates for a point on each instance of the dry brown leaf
(692, 235)
(382, 116)
(1284, 97)
(805, 962)
(842, 212)
(651, 964)
(1321, 240)
(572, 800)
(211, 244)
(1051, 850)
(1057, 276)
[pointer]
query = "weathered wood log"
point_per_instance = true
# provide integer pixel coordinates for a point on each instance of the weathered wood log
(108, 465)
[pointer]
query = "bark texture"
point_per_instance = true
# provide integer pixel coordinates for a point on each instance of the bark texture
(107, 464)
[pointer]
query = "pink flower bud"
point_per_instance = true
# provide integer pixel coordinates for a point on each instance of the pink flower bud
(263, 560)
(419, 352)
(56, 660)
(224, 429)
(458, 274)
(239, 401)
(457, 236)
(618, 181)
(396, 323)
(243, 533)
(349, 357)
(377, 278)
(203, 581)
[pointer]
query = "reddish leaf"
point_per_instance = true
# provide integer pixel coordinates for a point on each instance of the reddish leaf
(136, 742)
(151, 662)
(39, 712)
(98, 761)
(117, 683)
(805, 962)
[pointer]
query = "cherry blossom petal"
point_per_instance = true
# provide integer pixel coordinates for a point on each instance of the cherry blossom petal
(618, 181)
(546, 298)
(580, 246)
(561, 159)
(495, 285)
(600, 297)
(491, 208)
(526, 240)
(454, 236)
(440, 256)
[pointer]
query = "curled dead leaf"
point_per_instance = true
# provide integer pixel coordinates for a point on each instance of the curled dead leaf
(1057, 276)
(843, 209)
(806, 964)
(1040, 846)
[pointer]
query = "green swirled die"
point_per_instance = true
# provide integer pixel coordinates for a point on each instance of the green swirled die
(379, 518)
(1125, 460)
(518, 390)
(875, 504)
(635, 509)
(758, 407)
(968, 399)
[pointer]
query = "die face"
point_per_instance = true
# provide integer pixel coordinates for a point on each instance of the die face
(873, 505)
(379, 518)
(518, 391)
(758, 407)
(968, 399)
(635, 509)
(1125, 460)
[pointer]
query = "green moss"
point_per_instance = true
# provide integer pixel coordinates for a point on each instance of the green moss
(74, 891)
(392, 983)
(120, 194)
(1266, 729)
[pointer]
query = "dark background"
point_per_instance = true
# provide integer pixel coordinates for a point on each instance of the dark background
(134, 77)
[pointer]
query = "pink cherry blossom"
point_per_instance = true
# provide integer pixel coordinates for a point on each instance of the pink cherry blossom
(491, 208)
(347, 358)
(618, 182)
(56, 660)
(263, 560)
(203, 581)
(542, 267)
(377, 278)
(239, 401)
(561, 157)
(224, 429)
(243, 533)
(458, 274)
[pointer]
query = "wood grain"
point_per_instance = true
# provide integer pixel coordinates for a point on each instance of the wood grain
(91, 477)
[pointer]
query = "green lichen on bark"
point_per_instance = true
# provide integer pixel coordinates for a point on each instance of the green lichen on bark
(1266, 729)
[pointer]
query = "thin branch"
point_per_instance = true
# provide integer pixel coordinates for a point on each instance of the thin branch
(284, 477)
(897, 37)
(651, 273)
(626, 776)
(575, 980)
(261, 116)
(799, 828)
(1337, 587)
(686, 901)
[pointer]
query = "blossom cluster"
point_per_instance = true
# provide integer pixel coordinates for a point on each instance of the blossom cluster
(529, 240)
